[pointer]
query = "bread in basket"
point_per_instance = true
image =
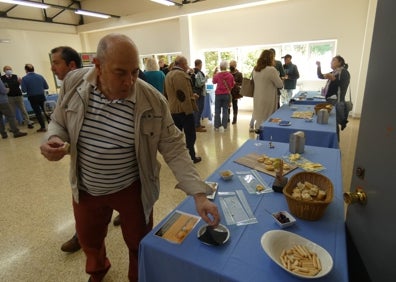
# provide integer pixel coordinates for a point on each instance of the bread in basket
(326, 106)
(314, 208)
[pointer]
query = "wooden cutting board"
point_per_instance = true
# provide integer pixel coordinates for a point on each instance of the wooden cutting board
(250, 160)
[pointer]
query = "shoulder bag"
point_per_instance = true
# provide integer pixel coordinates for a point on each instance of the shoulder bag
(247, 88)
(342, 110)
(228, 89)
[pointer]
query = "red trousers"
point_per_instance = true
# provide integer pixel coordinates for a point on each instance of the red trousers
(93, 214)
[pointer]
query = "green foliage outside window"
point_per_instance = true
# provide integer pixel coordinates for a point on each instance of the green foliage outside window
(305, 55)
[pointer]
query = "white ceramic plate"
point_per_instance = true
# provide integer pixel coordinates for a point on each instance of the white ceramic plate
(275, 241)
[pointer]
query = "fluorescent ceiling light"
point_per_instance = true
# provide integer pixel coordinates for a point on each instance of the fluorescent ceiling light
(26, 3)
(92, 14)
(164, 2)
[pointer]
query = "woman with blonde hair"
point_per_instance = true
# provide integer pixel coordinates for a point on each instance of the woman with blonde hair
(266, 83)
(153, 75)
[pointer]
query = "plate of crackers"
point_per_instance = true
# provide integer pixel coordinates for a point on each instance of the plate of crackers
(264, 163)
(296, 254)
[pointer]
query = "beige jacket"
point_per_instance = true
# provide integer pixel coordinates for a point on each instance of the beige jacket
(155, 132)
(178, 90)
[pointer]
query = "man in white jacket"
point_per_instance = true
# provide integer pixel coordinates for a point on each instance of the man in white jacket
(115, 125)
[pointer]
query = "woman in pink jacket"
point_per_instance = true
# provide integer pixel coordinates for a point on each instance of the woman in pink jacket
(225, 82)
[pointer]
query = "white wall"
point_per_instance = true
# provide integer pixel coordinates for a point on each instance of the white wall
(151, 38)
(27, 45)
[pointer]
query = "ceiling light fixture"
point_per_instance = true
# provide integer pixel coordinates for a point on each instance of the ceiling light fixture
(26, 3)
(92, 14)
(164, 2)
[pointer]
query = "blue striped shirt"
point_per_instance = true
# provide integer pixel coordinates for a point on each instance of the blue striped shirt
(106, 146)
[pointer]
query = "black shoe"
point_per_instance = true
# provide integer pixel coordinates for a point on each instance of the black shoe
(234, 120)
(71, 246)
(19, 134)
(41, 130)
(117, 221)
(197, 160)
(30, 126)
(4, 136)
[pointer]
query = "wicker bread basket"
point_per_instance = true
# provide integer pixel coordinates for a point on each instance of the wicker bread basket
(320, 106)
(308, 210)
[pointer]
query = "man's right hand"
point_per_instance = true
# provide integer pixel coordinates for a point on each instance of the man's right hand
(54, 149)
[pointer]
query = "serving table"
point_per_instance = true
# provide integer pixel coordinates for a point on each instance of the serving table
(321, 135)
(242, 257)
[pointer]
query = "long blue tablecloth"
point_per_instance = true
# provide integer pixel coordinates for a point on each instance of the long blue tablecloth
(242, 258)
(321, 135)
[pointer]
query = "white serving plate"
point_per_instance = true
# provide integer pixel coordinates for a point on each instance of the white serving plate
(275, 241)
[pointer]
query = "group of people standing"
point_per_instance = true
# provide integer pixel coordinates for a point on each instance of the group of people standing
(11, 99)
(271, 79)
(185, 89)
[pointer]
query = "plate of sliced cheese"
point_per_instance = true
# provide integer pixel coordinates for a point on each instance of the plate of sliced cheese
(305, 164)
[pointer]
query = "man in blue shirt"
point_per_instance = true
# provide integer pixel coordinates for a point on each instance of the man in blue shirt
(34, 85)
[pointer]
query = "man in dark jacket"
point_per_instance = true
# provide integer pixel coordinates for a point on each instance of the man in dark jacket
(15, 98)
(291, 77)
(199, 88)
(238, 77)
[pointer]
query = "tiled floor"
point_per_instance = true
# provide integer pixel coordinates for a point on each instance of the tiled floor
(35, 204)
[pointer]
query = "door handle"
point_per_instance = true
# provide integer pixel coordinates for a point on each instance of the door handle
(359, 196)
